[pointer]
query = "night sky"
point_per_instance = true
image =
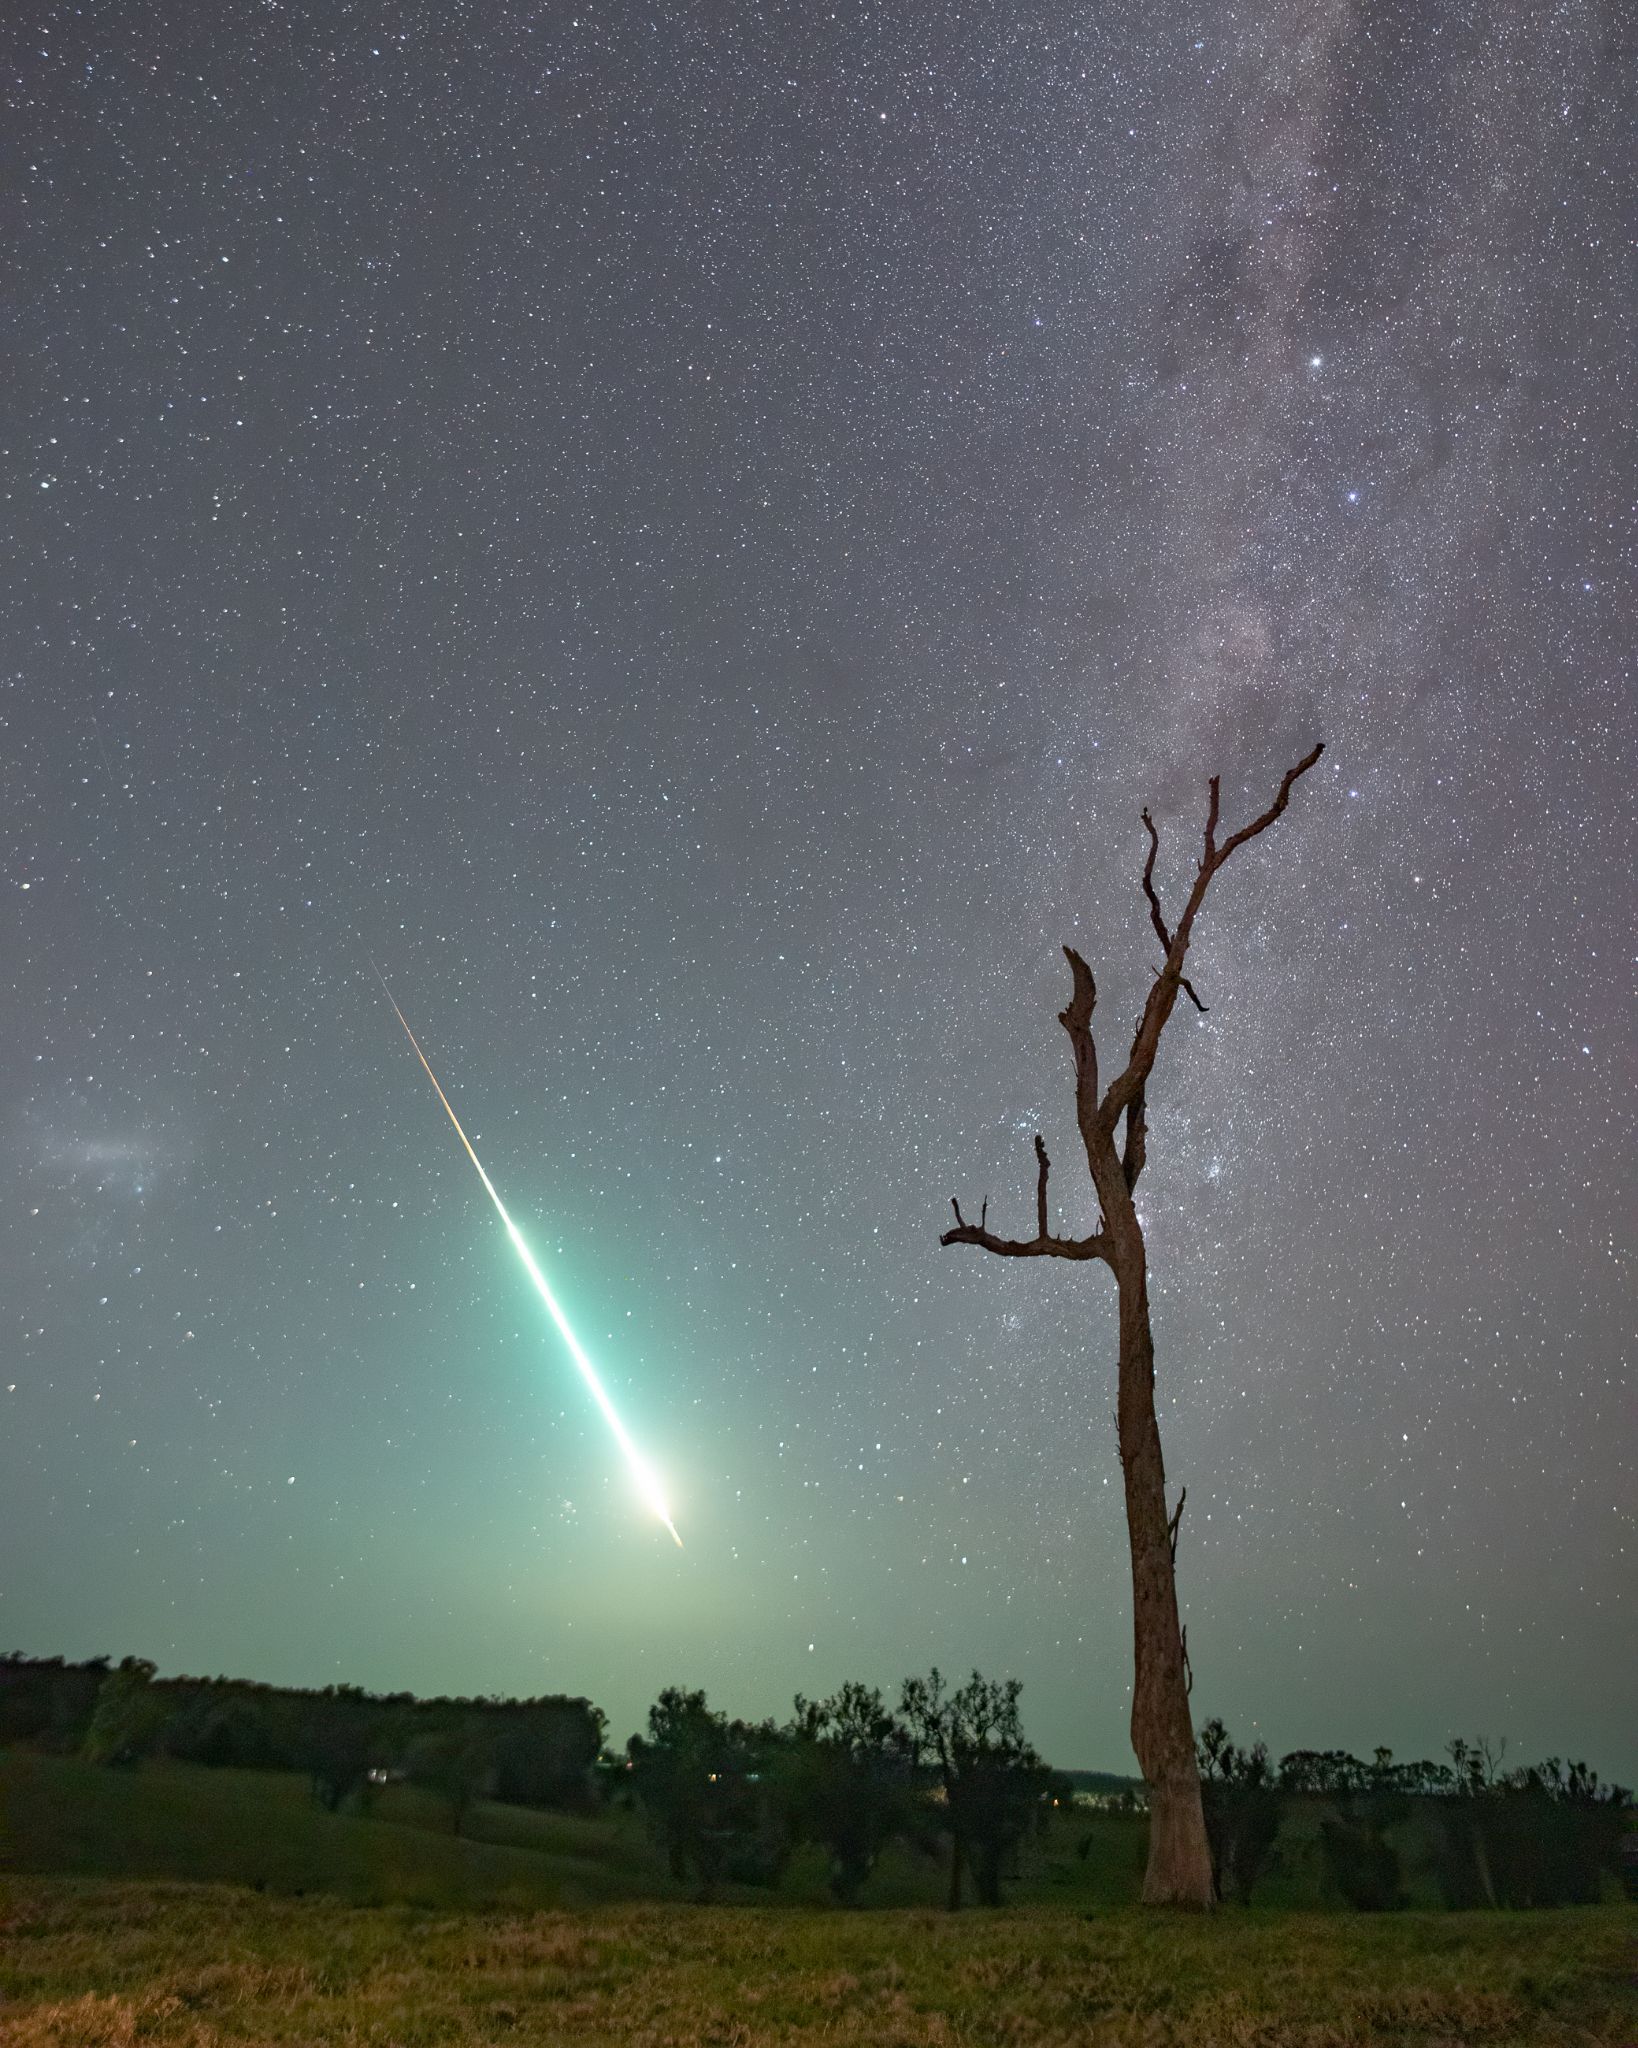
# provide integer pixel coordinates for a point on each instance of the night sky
(689, 533)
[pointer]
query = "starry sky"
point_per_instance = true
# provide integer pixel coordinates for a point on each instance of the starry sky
(689, 533)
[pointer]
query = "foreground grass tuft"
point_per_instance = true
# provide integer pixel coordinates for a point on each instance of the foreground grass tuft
(92, 1964)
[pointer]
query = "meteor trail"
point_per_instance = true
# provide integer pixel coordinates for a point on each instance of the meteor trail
(648, 1483)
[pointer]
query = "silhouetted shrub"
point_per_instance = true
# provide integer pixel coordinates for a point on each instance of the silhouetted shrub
(545, 1753)
(220, 1727)
(1540, 1836)
(1243, 1810)
(994, 1786)
(845, 1770)
(1359, 1859)
(702, 1780)
(127, 1717)
(1362, 1864)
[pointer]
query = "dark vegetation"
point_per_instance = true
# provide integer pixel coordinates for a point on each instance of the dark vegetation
(1543, 1835)
(733, 1801)
(346, 1741)
(851, 1796)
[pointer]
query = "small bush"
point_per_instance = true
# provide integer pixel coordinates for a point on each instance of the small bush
(1362, 1864)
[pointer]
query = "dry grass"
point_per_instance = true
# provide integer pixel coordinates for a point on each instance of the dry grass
(90, 1964)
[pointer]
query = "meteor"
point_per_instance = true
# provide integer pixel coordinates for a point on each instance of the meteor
(648, 1482)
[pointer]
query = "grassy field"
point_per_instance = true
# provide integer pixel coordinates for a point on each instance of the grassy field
(92, 1964)
(541, 1928)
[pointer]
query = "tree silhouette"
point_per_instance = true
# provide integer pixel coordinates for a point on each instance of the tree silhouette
(1114, 1129)
(848, 1766)
(972, 1742)
(704, 1782)
(128, 1715)
(455, 1764)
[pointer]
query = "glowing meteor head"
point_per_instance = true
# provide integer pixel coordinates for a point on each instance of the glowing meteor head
(648, 1481)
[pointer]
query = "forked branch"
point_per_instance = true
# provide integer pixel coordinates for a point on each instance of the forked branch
(1042, 1246)
(1275, 810)
(1099, 1117)
(1130, 1082)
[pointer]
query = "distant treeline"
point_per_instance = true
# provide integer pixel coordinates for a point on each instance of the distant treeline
(733, 1799)
(1540, 1835)
(947, 1771)
(540, 1752)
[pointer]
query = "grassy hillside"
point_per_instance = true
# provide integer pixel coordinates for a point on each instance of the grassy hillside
(261, 1829)
(62, 1816)
(88, 1964)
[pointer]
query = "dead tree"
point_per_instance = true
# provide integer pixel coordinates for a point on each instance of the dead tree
(1114, 1128)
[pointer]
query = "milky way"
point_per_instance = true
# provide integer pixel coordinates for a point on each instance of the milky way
(691, 535)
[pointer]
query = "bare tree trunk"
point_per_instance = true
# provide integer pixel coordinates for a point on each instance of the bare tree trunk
(1179, 1872)
(1114, 1128)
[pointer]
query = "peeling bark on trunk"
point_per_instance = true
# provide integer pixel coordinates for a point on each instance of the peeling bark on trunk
(1179, 1871)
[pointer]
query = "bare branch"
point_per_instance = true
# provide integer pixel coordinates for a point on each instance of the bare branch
(1042, 1246)
(1077, 1021)
(1045, 1164)
(1095, 1247)
(1275, 810)
(1155, 916)
(1175, 1522)
(1163, 995)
